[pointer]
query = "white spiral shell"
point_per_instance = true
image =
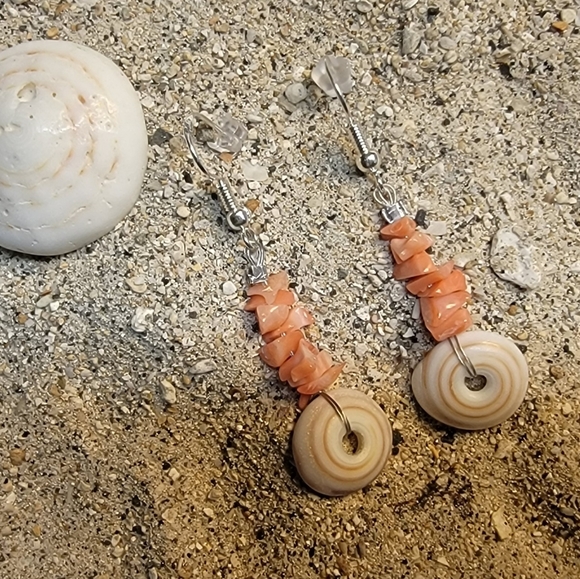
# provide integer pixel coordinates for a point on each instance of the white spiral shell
(439, 381)
(317, 443)
(73, 147)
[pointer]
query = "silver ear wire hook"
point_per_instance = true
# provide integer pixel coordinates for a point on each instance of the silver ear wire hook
(237, 218)
(188, 134)
(368, 160)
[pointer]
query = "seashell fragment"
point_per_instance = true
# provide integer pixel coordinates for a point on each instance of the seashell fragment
(513, 261)
(141, 320)
(73, 147)
(408, 4)
(321, 458)
(439, 381)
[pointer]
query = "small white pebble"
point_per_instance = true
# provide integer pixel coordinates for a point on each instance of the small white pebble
(360, 350)
(137, 284)
(174, 474)
(375, 280)
(229, 288)
(203, 366)
(363, 314)
(385, 110)
(367, 79)
(562, 198)
(253, 172)
(296, 93)
(183, 211)
(364, 7)
(447, 43)
(44, 301)
(568, 15)
(141, 320)
(168, 392)
(254, 119)
(416, 313)
(437, 228)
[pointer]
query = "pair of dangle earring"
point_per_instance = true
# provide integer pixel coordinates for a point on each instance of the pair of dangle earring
(328, 419)
(442, 382)
(469, 380)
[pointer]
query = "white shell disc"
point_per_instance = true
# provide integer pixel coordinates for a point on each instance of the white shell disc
(440, 388)
(317, 443)
(73, 147)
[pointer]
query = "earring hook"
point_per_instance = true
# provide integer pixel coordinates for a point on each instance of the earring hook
(368, 160)
(189, 139)
(236, 217)
(337, 89)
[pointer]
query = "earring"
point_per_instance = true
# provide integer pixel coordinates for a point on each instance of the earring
(328, 417)
(469, 380)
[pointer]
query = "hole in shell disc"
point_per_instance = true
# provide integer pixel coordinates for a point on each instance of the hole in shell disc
(351, 443)
(475, 384)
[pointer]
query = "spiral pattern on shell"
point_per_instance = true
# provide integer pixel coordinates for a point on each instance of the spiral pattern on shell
(439, 381)
(73, 147)
(317, 443)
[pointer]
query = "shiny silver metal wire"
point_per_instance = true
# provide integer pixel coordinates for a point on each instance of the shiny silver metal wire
(339, 411)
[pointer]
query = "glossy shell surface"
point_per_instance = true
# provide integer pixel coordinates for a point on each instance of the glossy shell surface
(73, 147)
(439, 381)
(322, 459)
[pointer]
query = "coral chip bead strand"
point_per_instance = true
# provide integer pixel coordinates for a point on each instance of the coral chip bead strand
(280, 321)
(442, 290)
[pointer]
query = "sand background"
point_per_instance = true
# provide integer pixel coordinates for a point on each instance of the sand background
(477, 123)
